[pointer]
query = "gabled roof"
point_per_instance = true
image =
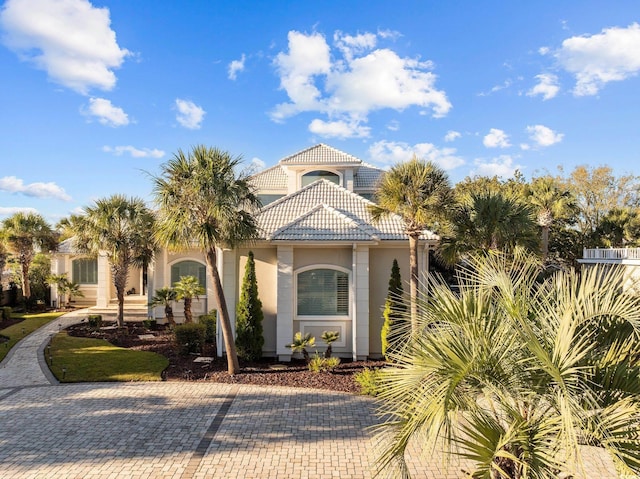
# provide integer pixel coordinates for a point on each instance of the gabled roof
(320, 154)
(324, 211)
(274, 178)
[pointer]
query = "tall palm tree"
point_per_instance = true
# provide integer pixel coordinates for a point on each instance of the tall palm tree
(203, 202)
(515, 375)
(490, 221)
(549, 202)
(187, 289)
(119, 227)
(26, 234)
(420, 193)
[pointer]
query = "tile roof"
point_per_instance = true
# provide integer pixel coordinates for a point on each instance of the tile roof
(324, 211)
(274, 178)
(366, 177)
(320, 154)
(67, 246)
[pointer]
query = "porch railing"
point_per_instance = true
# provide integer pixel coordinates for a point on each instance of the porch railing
(611, 253)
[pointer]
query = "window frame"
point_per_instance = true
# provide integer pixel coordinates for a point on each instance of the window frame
(188, 260)
(82, 281)
(322, 317)
(316, 170)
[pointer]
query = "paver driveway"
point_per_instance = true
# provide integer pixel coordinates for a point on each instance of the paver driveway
(188, 430)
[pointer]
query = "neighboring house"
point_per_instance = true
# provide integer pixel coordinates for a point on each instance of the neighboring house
(321, 263)
(627, 258)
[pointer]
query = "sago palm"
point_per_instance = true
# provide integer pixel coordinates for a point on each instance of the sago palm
(516, 375)
(420, 193)
(204, 202)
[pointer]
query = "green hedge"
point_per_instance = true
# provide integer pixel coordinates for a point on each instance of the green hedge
(190, 337)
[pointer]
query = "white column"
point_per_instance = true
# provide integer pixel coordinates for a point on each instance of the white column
(284, 313)
(361, 313)
(103, 281)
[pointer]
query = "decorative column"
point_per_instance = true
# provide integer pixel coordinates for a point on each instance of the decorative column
(284, 313)
(360, 316)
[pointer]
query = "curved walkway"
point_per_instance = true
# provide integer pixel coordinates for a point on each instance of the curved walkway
(185, 430)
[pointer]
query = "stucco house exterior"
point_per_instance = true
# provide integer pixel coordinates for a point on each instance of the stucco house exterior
(321, 263)
(627, 258)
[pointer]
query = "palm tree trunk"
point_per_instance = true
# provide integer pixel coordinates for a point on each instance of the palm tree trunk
(188, 318)
(233, 366)
(545, 242)
(120, 273)
(168, 312)
(413, 279)
(26, 286)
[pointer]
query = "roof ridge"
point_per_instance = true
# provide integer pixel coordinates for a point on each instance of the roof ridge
(358, 225)
(320, 145)
(291, 195)
(265, 170)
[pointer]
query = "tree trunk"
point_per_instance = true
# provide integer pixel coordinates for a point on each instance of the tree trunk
(233, 366)
(168, 312)
(120, 273)
(413, 279)
(26, 286)
(188, 317)
(545, 242)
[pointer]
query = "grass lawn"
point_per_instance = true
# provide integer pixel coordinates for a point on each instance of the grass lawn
(88, 359)
(30, 324)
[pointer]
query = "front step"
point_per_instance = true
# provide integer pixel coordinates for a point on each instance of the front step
(135, 308)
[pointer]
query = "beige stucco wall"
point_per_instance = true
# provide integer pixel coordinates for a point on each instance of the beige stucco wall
(381, 261)
(337, 256)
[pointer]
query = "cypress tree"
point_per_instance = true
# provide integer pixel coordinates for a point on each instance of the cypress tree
(394, 311)
(249, 316)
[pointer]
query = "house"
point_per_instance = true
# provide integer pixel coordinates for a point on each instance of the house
(321, 263)
(627, 258)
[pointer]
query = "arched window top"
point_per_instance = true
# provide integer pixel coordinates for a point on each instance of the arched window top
(315, 175)
(322, 292)
(189, 268)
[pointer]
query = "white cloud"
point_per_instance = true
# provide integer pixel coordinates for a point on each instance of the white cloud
(134, 152)
(502, 166)
(12, 184)
(452, 135)
(339, 129)
(71, 40)
(393, 125)
(106, 113)
(235, 67)
(544, 136)
(355, 81)
(189, 114)
(612, 55)
(257, 164)
(12, 210)
(547, 86)
(544, 50)
(395, 152)
(496, 139)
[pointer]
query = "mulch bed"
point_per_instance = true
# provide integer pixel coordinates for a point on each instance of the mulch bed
(268, 372)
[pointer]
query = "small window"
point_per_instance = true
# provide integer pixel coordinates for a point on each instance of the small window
(266, 199)
(189, 268)
(323, 292)
(85, 271)
(312, 176)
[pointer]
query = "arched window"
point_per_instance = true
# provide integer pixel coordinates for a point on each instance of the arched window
(323, 292)
(189, 268)
(312, 176)
(84, 271)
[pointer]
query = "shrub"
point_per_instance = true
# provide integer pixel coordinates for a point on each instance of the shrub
(394, 311)
(150, 323)
(190, 337)
(6, 313)
(368, 380)
(95, 320)
(320, 364)
(249, 315)
(301, 343)
(209, 320)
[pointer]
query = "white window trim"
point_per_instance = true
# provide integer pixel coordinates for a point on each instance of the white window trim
(181, 260)
(330, 170)
(298, 317)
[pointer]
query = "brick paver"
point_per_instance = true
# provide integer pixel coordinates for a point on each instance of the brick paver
(194, 430)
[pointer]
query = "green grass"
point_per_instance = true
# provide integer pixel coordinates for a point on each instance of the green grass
(87, 360)
(30, 324)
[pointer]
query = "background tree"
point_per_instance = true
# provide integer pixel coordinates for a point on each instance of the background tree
(489, 221)
(25, 235)
(165, 297)
(394, 311)
(118, 227)
(515, 374)
(202, 201)
(187, 289)
(249, 316)
(420, 193)
(619, 228)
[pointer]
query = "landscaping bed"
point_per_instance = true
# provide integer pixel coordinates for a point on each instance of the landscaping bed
(264, 372)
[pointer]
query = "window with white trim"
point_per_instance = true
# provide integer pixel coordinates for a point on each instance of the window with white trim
(84, 271)
(189, 268)
(312, 176)
(323, 292)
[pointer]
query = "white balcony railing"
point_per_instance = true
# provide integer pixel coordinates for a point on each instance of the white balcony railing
(611, 253)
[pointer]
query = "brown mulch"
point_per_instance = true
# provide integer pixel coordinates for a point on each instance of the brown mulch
(268, 371)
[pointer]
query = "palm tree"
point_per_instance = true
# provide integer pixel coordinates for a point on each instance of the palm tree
(490, 221)
(26, 234)
(203, 202)
(119, 227)
(165, 297)
(549, 202)
(515, 375)
(420, 193)
(188, 289)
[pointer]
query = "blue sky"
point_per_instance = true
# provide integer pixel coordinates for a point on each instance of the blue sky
(97, 95)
